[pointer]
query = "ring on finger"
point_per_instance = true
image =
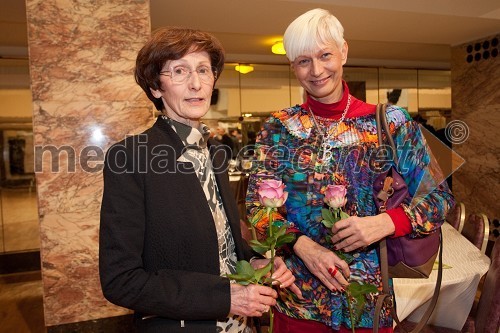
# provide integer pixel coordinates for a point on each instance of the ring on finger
(333, 271)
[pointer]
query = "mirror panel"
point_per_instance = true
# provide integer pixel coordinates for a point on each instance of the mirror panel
(266, 89)
(363, 83)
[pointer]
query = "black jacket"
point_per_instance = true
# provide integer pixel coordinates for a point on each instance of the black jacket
(158, 251)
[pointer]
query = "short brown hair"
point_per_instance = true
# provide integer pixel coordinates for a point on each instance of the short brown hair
(173, 43)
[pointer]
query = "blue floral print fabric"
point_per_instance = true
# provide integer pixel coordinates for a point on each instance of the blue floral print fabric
(289, 148)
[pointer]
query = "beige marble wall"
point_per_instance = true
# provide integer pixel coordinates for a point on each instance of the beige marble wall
(476, 104)
(82, 55)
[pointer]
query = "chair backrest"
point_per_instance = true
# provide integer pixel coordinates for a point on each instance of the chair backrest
(487, 318)
(475, 230)
(486, 236)
(456, 216)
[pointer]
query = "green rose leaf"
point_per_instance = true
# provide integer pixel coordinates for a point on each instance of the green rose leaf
(348, 258)
(362, 289)
(240, 279)
(244, 273)
(327, 224)
(358, 291)
(343, 215)
(259, 247)
(259, 273)
(279, 231)
(243, 267)
(285, 239)
(328, 218)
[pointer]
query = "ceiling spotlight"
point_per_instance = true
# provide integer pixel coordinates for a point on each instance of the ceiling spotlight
(243, 69)
(278, 48)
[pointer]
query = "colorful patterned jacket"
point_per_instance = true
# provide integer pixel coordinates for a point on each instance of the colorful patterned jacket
(288, 150)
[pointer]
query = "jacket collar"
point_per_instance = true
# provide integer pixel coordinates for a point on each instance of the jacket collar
(217, 152)
(175, 141)
(296, 120)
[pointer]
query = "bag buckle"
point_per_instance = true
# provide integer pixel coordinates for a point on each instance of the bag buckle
(383, 196)
(389, 301)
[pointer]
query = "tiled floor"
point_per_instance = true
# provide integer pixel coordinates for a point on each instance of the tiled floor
(21, 307)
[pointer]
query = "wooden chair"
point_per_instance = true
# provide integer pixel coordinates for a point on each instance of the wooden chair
(485, 317)
(456, 216)
(477, 230)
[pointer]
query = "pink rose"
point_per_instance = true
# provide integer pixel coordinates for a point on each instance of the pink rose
(272, 193)
(335, 196)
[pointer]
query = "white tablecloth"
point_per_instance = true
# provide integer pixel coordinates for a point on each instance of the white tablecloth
(458, 287)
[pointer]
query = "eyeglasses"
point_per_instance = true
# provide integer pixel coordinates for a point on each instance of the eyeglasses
(181, 74)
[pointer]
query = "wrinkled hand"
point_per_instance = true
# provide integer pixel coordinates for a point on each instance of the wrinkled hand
(319, 260)
(356, 232)
(282, 275)
(252, 300)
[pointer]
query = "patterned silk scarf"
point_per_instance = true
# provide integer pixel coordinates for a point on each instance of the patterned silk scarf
(196, 153)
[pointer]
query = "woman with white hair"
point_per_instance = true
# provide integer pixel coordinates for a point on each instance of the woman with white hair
(331, 139)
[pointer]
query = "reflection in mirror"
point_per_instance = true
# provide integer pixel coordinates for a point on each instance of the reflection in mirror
(426, 94)
(243, 101)
(265, 89)
(18, 199)
(225, 102)
(363, 83)
(434, 97)
(399, 87)
(269, 88)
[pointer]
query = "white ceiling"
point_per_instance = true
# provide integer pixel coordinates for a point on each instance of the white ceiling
(397, 33)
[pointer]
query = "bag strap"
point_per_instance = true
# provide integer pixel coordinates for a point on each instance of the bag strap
(382, 125)
(381, 122)
(386, 297)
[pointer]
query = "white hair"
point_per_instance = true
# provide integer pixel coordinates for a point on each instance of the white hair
(310, 30)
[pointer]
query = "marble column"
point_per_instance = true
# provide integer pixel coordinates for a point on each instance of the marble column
(82, 54)
(475, 74)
